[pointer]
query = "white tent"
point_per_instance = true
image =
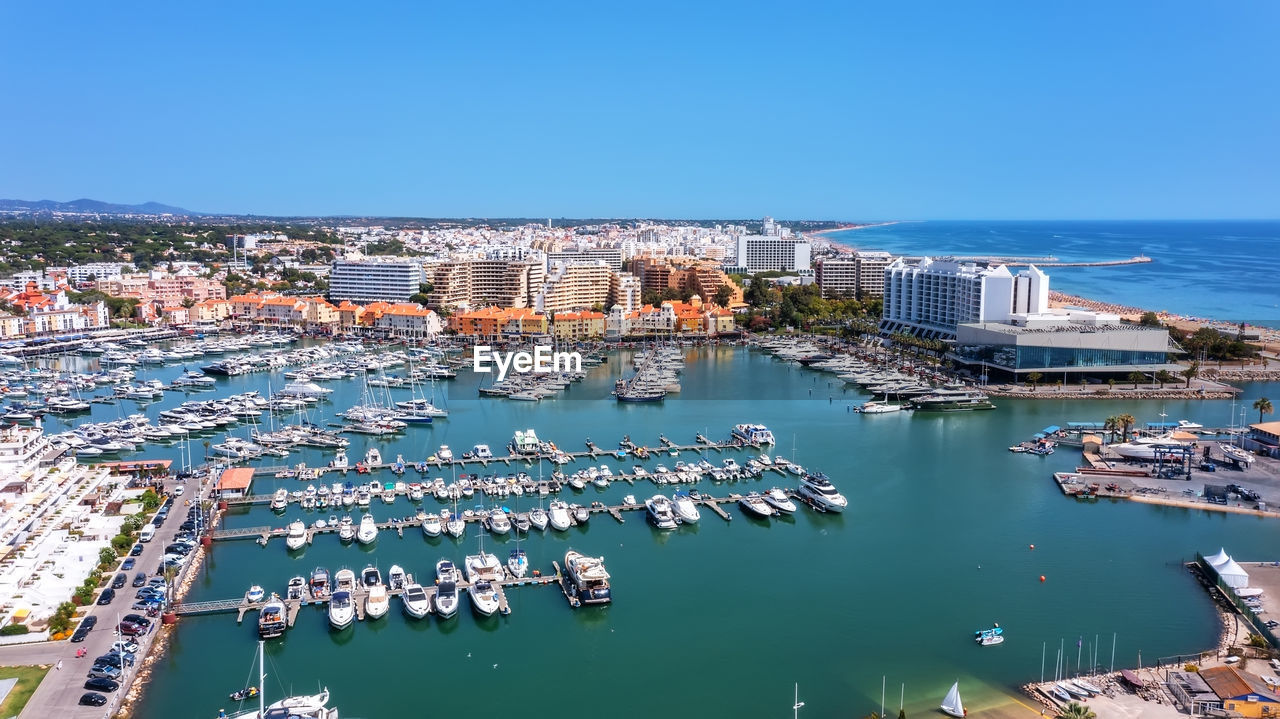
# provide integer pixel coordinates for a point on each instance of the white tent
(1218, 558)
(1232, 574)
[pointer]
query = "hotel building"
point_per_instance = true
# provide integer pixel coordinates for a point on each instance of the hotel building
(368, 279)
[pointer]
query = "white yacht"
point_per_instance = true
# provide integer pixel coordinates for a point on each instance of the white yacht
(877, 406)
(446, 599)
(368, 531)
(416, 601)
(341, 609)
(377, 602)
(297, 536)
(685, 508)
(499, 523)
(396, 577)
(340, 460)
(660, 512)
(444, 454)
(447, 572)
(1146, 448)
(482, 566)
(373, 457)
(589, 577)
(779, 500)
(753, 434)
(816, 487)
(280, 500)
(538, 518)
(431, 525)
(484, 598)
(755, 504)
(346, 529)
(559, 515)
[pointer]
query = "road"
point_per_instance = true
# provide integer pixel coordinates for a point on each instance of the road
(59, 694)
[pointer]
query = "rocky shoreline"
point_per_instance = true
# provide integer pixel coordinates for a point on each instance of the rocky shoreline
(1026, 393)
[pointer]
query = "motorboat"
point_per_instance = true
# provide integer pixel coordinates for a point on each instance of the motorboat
(445, 599)
(446, 571)
(753, 434)
(685, 508)
(368, 531)
(989, 638)
(280, 500)
(518, 563)
(319, 584)
(444, 454)
(817, 488)
(952, 400)
(340, 460)
(753, 503)
(779, 500)
(952, 705)
(590, 580)
(377, 602)
(271, 619)
(484, 598)
(1146, 448)
(346, 529)
(431, 525)
(396, 578)
(581, 514)
(416, 601)
(297, 536)
(559, 515)
(660, 511)
(373, 457)
(255, 594)
(341, 610)
(499, 523)
(296, 589)
(1232, 452)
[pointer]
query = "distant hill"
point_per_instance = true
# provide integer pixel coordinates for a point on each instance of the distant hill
(91, 206)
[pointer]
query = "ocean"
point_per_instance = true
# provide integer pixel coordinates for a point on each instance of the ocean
(723, 618)
(1210, 269)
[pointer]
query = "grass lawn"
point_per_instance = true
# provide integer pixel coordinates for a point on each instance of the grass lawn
(28, 679)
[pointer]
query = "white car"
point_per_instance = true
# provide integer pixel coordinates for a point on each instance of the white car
(178, 490)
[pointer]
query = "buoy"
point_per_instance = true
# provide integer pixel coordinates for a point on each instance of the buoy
(1033, 547)
(1042, 577)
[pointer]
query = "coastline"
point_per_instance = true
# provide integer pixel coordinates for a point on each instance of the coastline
(821, 233)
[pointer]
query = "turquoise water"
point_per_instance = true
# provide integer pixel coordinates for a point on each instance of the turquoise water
(1212, 269)
(722, 618)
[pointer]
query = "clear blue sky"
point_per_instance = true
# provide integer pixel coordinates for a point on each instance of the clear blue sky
(885, 110)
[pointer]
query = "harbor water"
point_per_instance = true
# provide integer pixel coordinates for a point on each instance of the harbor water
(722, 618)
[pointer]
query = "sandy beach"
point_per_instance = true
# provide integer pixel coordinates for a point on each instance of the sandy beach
(1270, 336)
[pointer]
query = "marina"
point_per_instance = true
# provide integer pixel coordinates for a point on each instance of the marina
(808, 413)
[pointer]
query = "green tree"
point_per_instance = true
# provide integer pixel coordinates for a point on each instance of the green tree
(1149, 319)
(1191, 372)
(150, 499)
(1076, 710)
(723, 295)
(1033, 378)
(107, 556)
(1126, 421)
(1135, 378)
(1112, 425)
(1164, 376)
(1263, 405)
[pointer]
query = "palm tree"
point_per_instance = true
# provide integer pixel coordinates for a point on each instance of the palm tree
(1263, 405)
(1191, 372)
(1163, 376)
(1135, 378)
(1076, 710)
(1032, 378)
(1126, 421)
(1111, 425)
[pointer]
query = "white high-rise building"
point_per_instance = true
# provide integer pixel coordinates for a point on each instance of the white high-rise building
(762, 253)
(369, 279)
(931, 297)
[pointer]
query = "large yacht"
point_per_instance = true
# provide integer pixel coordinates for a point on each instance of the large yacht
(1146, 448)
(297, 536)
(559, 515)
(952, 399)
(446, 599)
(590, 580)
(368, 531)
(483, 566)
(685, 508)
(817, 488)
(660, 511)
(753, 434)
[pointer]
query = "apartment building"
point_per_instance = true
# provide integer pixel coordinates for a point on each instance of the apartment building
(370, 279)
(506, 282)
(578, 325)
(574, 286)
(837, 277)
(611, 256)
(763, 253)
(499, 321)
(163, 287)
(624, 290)
(932, 297)
(402, 319)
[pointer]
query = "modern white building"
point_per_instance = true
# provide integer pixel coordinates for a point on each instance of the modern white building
(931, 298)
(762, 253)
(611, 256)
(368, 279)
(96, 271)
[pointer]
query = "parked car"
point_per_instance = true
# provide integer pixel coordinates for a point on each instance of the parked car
(102, 684)
(137, 619)
(91, 699)
(128, 563)
(140, 579)
(130, 629)
(107, 595)
(100, 671)
(125, 646)
(109, 660)
(177, 491)
(89, 622)
(80, 635)
(137, 549)
(120, 580)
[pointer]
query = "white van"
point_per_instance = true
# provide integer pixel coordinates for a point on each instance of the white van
(147, 533)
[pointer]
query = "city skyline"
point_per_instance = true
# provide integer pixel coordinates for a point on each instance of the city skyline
(833, 112)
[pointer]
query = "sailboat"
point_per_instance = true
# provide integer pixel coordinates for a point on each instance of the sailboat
(302, 706)
(951, 704)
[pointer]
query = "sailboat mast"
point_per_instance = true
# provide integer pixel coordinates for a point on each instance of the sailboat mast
(262, 682)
